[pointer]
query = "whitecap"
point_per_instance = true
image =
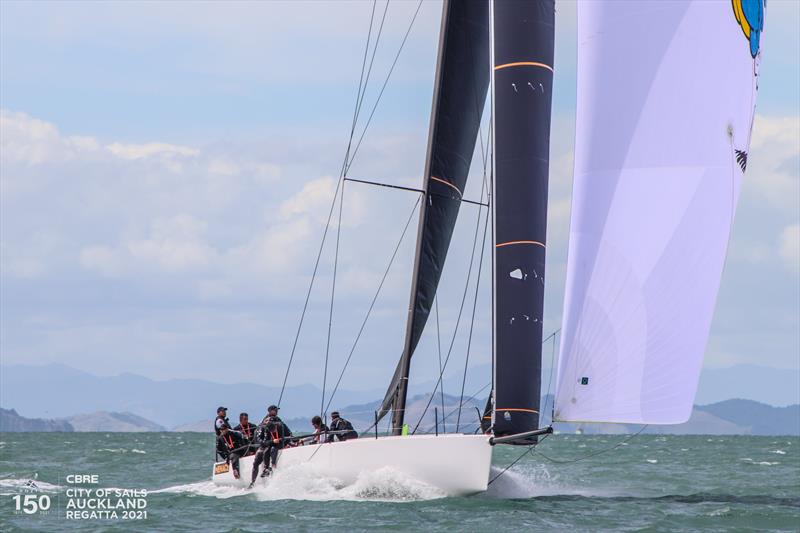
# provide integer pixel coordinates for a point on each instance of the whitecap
(12, 486)
(203, 488)
(719, 512)
(137, 451)
(779, 452)
(652, 461)
(307, 482)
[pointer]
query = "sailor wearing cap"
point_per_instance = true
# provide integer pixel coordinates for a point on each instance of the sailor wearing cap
(221, 420)
(343, 429)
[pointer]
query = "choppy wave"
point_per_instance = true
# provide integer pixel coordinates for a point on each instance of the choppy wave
(700, 497)
(535, 481)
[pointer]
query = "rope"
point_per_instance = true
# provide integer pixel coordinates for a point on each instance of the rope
(372, 304)
(594, 454)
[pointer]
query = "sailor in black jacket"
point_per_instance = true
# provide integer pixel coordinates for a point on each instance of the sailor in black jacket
(272, 436)
(222, 419)
(343, 429)
(230, 447)
(246, 428)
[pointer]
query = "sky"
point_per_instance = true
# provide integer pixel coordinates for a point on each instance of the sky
(166, 170)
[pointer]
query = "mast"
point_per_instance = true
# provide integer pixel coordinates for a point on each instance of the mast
(461, 82)
(522, 45)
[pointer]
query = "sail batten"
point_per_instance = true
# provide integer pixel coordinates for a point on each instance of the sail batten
(664, 110)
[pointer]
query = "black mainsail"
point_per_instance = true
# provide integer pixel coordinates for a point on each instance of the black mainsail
(523, 80)
(462, 80)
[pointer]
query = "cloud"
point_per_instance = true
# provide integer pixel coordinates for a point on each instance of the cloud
(139, 151)
(789, 246)
(773, 171)
(174, 245)
(30, 141)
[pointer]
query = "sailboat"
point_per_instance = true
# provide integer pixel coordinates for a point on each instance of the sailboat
(665, 107)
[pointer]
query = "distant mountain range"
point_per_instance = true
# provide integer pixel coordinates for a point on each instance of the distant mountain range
(731, 417)
(10, 421)
(58, 392)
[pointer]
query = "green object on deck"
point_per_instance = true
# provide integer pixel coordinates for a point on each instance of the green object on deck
(405, 430)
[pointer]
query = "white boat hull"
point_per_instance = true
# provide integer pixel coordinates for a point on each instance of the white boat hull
(458, 465)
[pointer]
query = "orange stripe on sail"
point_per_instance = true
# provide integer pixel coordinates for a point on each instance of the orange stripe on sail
(524, 64)
(517, 409)
(440, 180)
(498, 245)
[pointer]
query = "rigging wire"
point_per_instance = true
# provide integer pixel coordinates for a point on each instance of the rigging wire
(532, 449)
(380, 94)
(478, 282)
(330, 213)
(372, 304)
(472, 320)
(439, 347)
(372, 59)
(362, 89)
(461, 404)
(347, 161)
(596, 453)
(550, 380)
(458, 319)
(518, 459)
(322, 413)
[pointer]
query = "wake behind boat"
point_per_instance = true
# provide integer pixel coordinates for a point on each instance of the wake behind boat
(658, 167)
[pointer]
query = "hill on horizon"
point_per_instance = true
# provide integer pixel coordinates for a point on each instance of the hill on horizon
(731, 417)
(62, 391)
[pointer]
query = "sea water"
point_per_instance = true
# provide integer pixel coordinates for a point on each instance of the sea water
(569, 482)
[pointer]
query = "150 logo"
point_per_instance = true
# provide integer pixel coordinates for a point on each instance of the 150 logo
(31, 503)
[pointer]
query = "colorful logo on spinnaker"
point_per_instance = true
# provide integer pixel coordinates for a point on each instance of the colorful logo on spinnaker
(750, 16)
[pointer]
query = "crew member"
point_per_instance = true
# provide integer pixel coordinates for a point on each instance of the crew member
(272, 414)
(247, 429)
(231, 446)
(320, 431)
(222, 419)
(341, 428)
(272, 437)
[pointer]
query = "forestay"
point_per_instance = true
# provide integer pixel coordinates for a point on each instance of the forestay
(666, 96)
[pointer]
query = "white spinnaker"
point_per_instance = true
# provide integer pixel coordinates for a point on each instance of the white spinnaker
(666, 95)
